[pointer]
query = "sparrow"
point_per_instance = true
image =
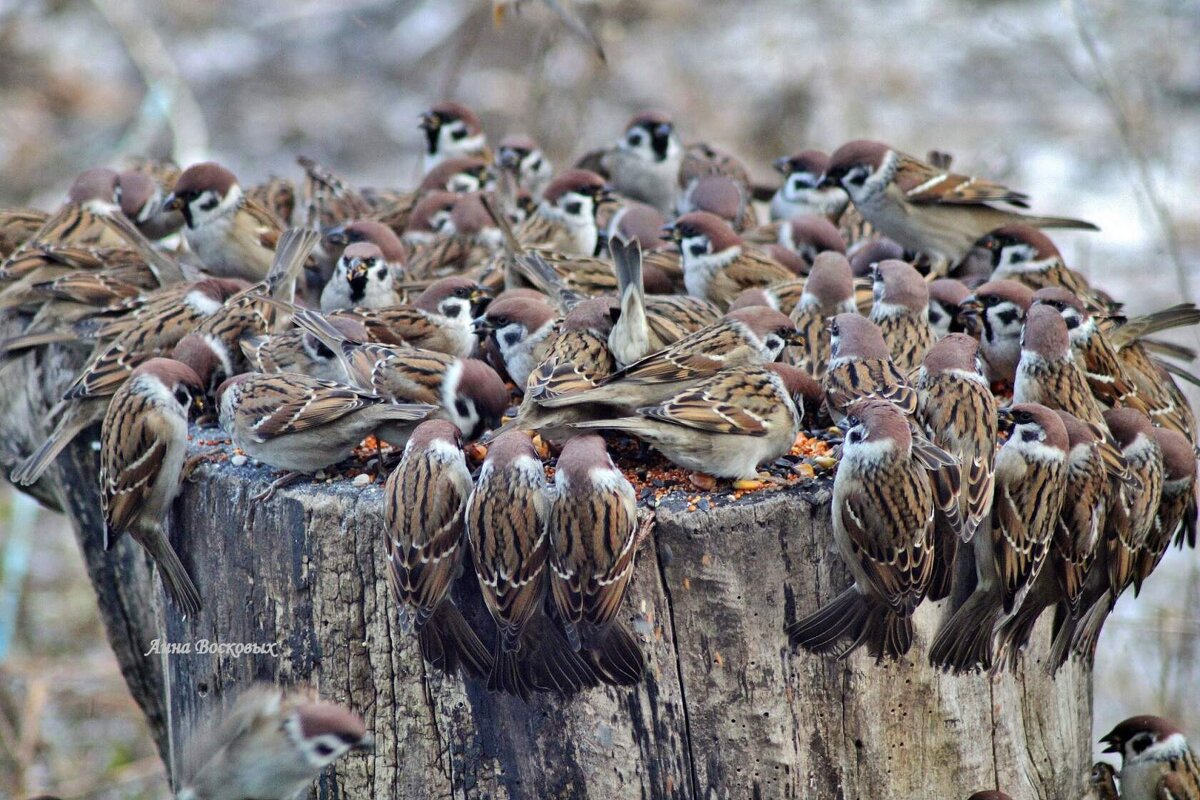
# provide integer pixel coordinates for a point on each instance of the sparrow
(871, 252)
(860, 367)
(1156, 761)
(361, 279)
(593, 526)
(472, 236)
(522, 328)
(720, 196)
(957, 411)
(299, 424)
(1103, 780)
(458, 175)
(465, 391)
(270, 746)
(441, 318)
(996, 314)
(328, 200)
(506, 521)
(725, 425)
(452, 131)
(901, 311)
(801, 192)
(746, 337)
(1157, 390)
(360, 230)
(946, 296)
(1030, 480)
(806, 236)
(1048, 373)
(1175, 516)
(143, 444)
(430, 218)
(924, 208)
(883, 516)
(18, 225)
(1024, 254)
(231, 234)
(141, 200)
(299, 351)
(523, 158)
(565, 219)
(717, 265)
(828, 291)
(424, 501)
(644, 163)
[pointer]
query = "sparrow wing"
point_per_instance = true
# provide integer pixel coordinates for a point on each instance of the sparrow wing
(592, 552)
(135, 440)
(290, 402)
(1174, 786)
(740, 403)
(578, 361)
(694, 357)
(925, 183)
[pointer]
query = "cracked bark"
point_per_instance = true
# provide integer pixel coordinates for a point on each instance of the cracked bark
(726, 710)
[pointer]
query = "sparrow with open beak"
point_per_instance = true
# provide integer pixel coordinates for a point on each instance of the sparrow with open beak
(901, 310)
(361, 279)
(452, 131)
(717, 265)
(861, 368)
(1156, 761)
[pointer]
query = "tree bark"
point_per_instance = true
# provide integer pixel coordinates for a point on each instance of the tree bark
(726, 709)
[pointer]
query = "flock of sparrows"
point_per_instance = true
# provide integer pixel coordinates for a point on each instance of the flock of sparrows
(638, 293)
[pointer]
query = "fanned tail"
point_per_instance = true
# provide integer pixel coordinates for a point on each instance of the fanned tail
(616, 658)
(964, 642)
(826, 629)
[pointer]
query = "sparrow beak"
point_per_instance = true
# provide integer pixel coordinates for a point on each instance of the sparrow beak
(508, 159)
(670, 233)
(482, 326)
(843, 424)
(662, 130)
(479, 294)
(172, 203)
(1114, 746)
(1004, 419)
(795, 338)
(783, 165)
(429, 122)
(825, 181)
(356, 270)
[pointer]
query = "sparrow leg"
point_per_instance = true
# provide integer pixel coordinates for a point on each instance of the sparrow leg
(286, 479)
(646, 525)
(190, 465)
(752, 484)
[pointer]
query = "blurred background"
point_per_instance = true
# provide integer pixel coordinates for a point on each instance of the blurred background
(1091, 106)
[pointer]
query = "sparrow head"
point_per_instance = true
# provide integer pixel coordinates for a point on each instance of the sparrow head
(1035, 430)
(1045, 334)
(454, 296)
(854, 163)
(1102, 774)
(804, 389)
(718, 195)
(642, 222)
(471, 218)
(1079, 433)
(511, 448)
(432, 214)
(946, 296)
(368, 230)
(855, 336)
(479, 399)
(787, 258)
(700, 234)
(1066, 303)
(801, 171)
(651, 137)
(955, 353)
(208, 357)
(324, 732)
(433, 432)
(204, 192)
(1178, 455)
(512, 320)
(830, 283)
(575, 194)
(997, 308)
(596, 314)
(1127, 425)
(451, 128)
(809, 235)
(874, 429)
(139, 195)
(349, 326)
(170, 383)
(1019, 247)
(584, 461)
(1145, 738)
(522, 155)
(754, 296)
(364, 268)
(872, 253)
(898, 288)
(459, 175)
(770, 330)
(98, 185)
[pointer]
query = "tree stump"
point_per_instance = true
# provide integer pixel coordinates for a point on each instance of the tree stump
(726, 710)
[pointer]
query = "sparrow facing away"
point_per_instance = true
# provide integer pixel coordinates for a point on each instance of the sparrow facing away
(883, 513)
(828, 291)
(425, 499)
(1048, 372)
(808, 236)
(720, 196)
(361, 279)
(593, 526)
(522, 328)
(860, 367)
(1176, 514)
(725, 425)
(143, 446)
(1030, 480)
(996, 314)
(746, 337)
(957, 411)
(506, 525)
(716, 264)
(565, 219)
(901, 310)
(451, 131)
(1156, 761)
(299, 351)
(924, 208)
(232, 235)
(141, 200)
(270, 746)
(644, 164)
(871, 253)
(802, 193)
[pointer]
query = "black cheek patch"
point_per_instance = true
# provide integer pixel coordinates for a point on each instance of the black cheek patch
(209, 204)
(462, 407)
(574, 207)
(1008, 316)
(511, 338)
(698, 249)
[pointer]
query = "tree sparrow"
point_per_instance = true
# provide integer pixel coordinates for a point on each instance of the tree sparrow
(521, 156)
(440, 318)
(1023, 253)
(901, 310)
(828, 291)
(1103, 782)
(1156, 761)
(996, 314)
(957, 411)
(716, 264)
(1030, 480)
(644, 164)
(430, 218)
(522, 328)
(143, 445)
(725, 425)
(270, 746)
(299, 351)
(565, 219)
(924, 208)
(1048, 372)
(452, 131)
(720, 196)
(361, 230)
(232, 235)
(802, 192)
(1176, 512)
(860, 367)
(946, 296)
(883, 513)
(426, 496)
(141, 200)
(593, 526)
(361, 279)
(806, 236)
(506, 525)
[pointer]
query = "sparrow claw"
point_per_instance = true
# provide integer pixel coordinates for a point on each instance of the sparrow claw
(286, 479)
(195, 461)
(646, 523)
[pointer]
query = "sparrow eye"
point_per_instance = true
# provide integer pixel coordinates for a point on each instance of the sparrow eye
(501, 321)
(460, 292)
